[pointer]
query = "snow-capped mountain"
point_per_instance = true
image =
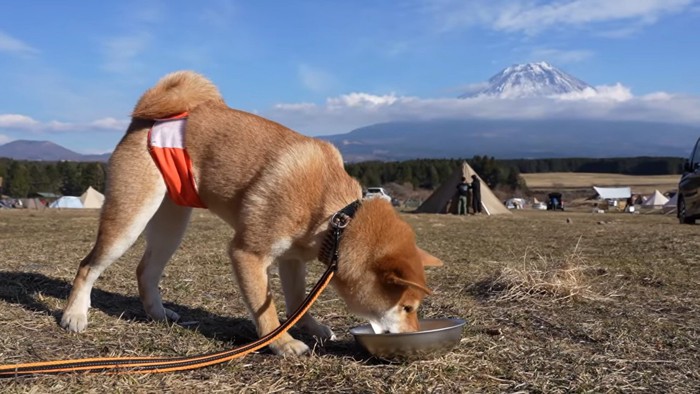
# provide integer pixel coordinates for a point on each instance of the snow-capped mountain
(530, 80)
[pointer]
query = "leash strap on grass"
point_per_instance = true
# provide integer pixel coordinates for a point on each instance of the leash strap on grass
(129, 365)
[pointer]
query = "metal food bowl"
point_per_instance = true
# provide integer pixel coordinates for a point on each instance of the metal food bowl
(435, 337)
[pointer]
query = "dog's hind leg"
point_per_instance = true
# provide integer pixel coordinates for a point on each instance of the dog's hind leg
(163, 236)
(134, 193)
(293, 278)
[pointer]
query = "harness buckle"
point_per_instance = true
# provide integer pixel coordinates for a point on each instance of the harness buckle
(340, 220)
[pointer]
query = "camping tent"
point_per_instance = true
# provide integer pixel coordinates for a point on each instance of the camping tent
(613, 193)
(92, 198)
(656, 200)
(443, 199)
(671, 205)
(67, 202)
(32, 203)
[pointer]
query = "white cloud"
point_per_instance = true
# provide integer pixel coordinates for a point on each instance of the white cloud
(17, 121)
(295, 106)
(535, 16)
(615, 102)
(14, 45)
(615, 92)
(657, 96)
(362, 100)
(13, 122)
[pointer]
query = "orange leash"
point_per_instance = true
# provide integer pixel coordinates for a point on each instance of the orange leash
(124, 365)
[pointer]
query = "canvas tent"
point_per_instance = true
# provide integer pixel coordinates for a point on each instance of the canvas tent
(671, 205)
(613, 193)
(67, 202)
(656, 200)
(444, 200)
(32, 203)
(92, 198)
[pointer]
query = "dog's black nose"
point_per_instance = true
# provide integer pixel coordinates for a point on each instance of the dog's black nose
(387, 332)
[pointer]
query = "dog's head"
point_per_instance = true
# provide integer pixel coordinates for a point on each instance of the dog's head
(381, 270)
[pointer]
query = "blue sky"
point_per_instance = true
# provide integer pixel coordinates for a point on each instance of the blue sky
(71, 71)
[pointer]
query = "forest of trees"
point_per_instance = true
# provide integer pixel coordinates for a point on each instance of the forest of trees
(627, 165)
(430, 173)
(26, 178)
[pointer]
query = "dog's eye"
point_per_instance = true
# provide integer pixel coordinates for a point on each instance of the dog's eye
(408, 309)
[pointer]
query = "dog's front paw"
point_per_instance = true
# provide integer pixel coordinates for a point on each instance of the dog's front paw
(172, 316)
(318, 330)
(74, 322)
(162, 314)
(292, 347)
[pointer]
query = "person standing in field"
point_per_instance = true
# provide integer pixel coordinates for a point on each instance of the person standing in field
(476, 194)
(463, 196)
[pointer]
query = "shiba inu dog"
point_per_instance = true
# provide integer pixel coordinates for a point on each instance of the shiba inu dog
(277, 189)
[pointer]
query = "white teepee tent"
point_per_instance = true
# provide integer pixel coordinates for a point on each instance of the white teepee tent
(92, 198)
(671, 205)
(444, 199)
(656, 200)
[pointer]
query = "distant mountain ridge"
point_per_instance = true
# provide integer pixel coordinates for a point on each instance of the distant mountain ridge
(44, 151)
(514, 139)
(530, 80)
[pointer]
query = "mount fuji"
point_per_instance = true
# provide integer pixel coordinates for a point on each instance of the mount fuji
(530, 80)
(547, 137)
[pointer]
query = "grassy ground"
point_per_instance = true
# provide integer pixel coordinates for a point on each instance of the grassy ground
(598, 303)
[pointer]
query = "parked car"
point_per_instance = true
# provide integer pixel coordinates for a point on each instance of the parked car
(377, 192)
(688, 205)
(555, 201)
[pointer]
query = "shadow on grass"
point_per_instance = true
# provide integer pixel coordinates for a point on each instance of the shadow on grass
(485, 289)
(22, 288)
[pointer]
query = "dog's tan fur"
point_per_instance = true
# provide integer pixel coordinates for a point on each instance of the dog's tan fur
(277, 189)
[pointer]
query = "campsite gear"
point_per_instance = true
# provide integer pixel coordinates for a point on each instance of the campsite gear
(328, 254)
(445, 195)
(434, 338)
(555, 202)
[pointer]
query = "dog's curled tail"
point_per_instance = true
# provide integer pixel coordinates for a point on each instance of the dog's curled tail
(174, 94)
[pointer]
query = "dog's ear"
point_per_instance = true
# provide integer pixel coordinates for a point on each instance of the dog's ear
(397, 280)
(427, 259)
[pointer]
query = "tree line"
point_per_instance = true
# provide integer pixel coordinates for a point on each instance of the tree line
(21, 179)
(429, 173)
(627, 165)
(26, 178)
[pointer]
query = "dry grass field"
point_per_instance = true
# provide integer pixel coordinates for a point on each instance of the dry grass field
(598, 303)
(578, 180)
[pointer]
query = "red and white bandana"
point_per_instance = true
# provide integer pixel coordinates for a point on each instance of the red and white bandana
(166, 144)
